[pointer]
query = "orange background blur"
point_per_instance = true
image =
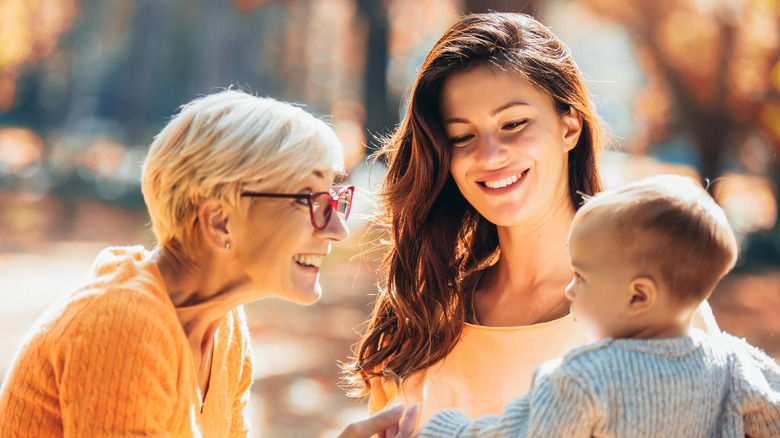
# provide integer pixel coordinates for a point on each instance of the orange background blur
(687, 86)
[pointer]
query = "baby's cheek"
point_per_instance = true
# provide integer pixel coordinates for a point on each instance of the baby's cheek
(586, 323)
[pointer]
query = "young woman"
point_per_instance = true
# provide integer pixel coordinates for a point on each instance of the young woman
(486, 171)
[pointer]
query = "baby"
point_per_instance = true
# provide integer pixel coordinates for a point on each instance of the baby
(644, 256)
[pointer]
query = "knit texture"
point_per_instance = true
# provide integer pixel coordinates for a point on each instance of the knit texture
(111, 359)
(691, 386)
(490, 366)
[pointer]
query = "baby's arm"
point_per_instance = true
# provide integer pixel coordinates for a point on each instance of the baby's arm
(556, 405)
(757, 379)
(513, 422)
(703, 319)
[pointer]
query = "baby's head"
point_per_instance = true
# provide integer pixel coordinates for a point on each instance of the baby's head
(645, 255)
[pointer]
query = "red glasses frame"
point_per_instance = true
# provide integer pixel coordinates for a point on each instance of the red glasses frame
(334, 197)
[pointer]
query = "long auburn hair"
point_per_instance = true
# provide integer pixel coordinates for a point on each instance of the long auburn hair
(436, 235)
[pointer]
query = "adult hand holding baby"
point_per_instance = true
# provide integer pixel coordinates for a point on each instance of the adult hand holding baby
(392, 422)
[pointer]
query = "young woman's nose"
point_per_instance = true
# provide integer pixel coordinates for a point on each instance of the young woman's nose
(492, 151)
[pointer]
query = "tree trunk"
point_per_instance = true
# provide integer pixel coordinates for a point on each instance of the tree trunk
(381, 110)
(530, 7)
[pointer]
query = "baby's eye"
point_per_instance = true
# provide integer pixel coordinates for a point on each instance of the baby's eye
(302, 201)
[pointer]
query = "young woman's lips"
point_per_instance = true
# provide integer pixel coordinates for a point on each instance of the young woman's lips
(503, 185)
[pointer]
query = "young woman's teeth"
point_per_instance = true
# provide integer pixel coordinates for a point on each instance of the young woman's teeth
(501, 183)
(308, 260)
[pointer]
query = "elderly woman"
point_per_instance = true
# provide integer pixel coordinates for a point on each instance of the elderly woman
(240, 193)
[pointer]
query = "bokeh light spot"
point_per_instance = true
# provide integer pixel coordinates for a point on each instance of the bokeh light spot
(749, 201)
(305, 395)
(20, 148)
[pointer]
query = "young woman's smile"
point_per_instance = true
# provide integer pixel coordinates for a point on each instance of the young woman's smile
(509, 150)
(497, 185)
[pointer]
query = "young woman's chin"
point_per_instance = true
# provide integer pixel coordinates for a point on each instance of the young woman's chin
(513, 210)
(512, 216)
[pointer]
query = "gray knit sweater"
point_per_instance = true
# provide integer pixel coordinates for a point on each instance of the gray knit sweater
(691, 386)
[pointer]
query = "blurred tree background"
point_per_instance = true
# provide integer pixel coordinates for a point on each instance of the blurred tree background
(687, 86)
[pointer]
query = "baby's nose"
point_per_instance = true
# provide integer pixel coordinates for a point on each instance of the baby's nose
(570, 291)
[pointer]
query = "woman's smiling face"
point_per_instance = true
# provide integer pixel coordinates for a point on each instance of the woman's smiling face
(279, 249)
(509, 145)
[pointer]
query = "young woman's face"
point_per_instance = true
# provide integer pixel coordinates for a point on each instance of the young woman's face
(278, 248)
(509, 146)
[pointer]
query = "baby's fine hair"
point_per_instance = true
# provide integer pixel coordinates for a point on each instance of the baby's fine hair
(672, 229)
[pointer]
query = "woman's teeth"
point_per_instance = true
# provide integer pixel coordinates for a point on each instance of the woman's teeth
(501, 183)
(308, 260)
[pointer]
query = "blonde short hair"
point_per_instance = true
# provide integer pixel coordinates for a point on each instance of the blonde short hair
(670, 227)
(221, 144)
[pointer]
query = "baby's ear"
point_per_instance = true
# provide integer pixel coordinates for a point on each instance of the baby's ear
(643, 292)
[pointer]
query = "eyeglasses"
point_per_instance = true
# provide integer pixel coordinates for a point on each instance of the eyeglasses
(321, 204)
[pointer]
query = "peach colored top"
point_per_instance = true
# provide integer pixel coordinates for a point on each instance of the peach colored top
(488, 367)
(112, 359)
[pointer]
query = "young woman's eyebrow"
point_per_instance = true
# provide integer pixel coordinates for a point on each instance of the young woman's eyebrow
(492, 113)
(507, 106)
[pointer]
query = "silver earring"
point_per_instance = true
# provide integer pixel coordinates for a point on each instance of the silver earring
(227, 246)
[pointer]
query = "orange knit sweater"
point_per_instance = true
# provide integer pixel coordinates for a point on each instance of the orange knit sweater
(112, 359)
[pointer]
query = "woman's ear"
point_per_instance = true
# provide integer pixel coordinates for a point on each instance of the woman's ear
(572, 128)
(643, 292)
(213, 221)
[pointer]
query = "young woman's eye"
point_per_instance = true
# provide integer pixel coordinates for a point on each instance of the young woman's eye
(302, 201)
(460, 140)
(514, 125)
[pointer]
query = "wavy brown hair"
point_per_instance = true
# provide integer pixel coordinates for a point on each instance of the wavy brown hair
(436, 235)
